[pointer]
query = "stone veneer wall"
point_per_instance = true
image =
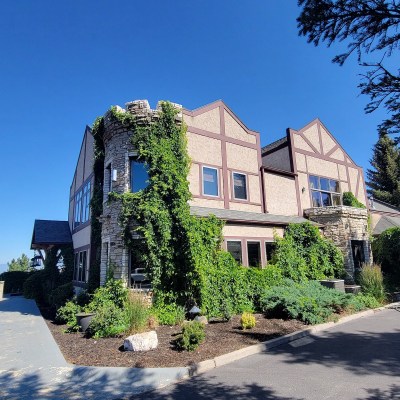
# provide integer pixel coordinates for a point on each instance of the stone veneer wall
(342, 224)
(118, 151)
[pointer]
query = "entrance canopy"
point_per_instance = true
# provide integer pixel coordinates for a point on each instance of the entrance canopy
(48, 233)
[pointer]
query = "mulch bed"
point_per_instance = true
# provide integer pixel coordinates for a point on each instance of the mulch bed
(221, 338)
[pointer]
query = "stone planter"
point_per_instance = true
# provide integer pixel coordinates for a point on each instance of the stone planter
(337, 284)
(1, 289)
(83, 320)
(352, 289)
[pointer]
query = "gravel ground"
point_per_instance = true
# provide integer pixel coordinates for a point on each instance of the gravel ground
(221, 338)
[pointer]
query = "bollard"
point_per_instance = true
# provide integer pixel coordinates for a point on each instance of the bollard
(1, 289)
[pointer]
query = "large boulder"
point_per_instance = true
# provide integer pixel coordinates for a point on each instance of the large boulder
(141, 341)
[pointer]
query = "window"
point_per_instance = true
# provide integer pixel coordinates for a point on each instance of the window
(324, 192)
(269, 250)
(80, 266)
(139, 175)
(235, 248)
(239, 186)
(210, 181)
(254, 254)
(82, 205)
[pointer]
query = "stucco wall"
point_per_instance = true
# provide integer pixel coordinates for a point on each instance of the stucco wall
(235, 130)
(209, 121)
(204, 149)
(242, 158)
(251, 231)
(280, 194)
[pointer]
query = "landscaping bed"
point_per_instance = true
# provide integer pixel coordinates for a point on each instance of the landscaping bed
(221, 338)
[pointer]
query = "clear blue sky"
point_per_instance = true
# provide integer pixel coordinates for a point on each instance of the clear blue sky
(64, 63)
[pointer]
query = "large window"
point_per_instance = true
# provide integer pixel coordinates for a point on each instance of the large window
(82, 205)
(239, 186)
(254, 254)
(139, 175)
(324, 192)
(210, 181)
(80, 267)
(235, 248)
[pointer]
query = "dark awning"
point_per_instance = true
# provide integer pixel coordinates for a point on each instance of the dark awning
(48, 233)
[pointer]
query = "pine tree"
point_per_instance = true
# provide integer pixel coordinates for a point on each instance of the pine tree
(384, 177)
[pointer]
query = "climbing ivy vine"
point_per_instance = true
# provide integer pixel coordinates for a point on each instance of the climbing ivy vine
(175, 246)
(96, 203)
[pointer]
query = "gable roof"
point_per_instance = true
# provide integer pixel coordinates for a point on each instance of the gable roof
(386, 222)
(274, 145)
(48, 232)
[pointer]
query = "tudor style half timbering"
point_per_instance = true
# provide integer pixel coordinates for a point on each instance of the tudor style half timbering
(311, 171)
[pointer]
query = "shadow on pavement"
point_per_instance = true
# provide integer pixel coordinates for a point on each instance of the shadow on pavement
(207, 388)
(362, 353)
(75, 383)
(393, 393)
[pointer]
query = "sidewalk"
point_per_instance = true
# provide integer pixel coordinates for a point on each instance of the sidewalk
(32, 366)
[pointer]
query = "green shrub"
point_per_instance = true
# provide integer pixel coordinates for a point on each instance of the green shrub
(169, 314)
(371, 280)
(257, 281)
(60, 295)
(137, 313)
(14, 280)
(67, 315)
(109, 320)
(386, 251)
(304, 254)
(361, 302)
(308, 301)
(192, 336)
(223, 289)
(247, 321)
(34, 287)
(350, 200)
(113, 291)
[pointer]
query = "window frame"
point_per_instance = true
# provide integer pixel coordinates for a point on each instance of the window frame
(320, 191)
(81, 266)
(82, 200)
(266, 242)
(132, 160)
(246, 185)
(218, 195)
(259, 242)
(241, 249)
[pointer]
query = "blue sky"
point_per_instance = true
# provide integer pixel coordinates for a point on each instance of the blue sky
(64, 63)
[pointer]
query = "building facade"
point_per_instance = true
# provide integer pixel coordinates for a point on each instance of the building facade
(256, 190)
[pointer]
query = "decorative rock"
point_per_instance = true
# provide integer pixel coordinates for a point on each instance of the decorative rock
(141, 341)
(202, 319)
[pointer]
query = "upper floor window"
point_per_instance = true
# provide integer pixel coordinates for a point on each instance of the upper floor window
(139, 175)
(210, 181)
(239, 186)
(324, 192)
(82, 205)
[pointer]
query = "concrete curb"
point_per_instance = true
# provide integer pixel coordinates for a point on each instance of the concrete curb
(204, 366)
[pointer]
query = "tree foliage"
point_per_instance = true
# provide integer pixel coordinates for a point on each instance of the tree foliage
(369, 26)
(19, 264)
(384, 177)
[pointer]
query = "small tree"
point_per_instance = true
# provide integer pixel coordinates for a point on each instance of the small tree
(384, 177)
(19, 264)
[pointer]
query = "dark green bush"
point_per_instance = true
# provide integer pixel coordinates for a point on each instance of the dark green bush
(386, 251)
(34, 287)
(371, 280)
(362, 301)
(113, 291)
(192, 336)
(304, 254)
(67, 315)
(308, 301)
(60, 295)
(350, 200)
(14, 280)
